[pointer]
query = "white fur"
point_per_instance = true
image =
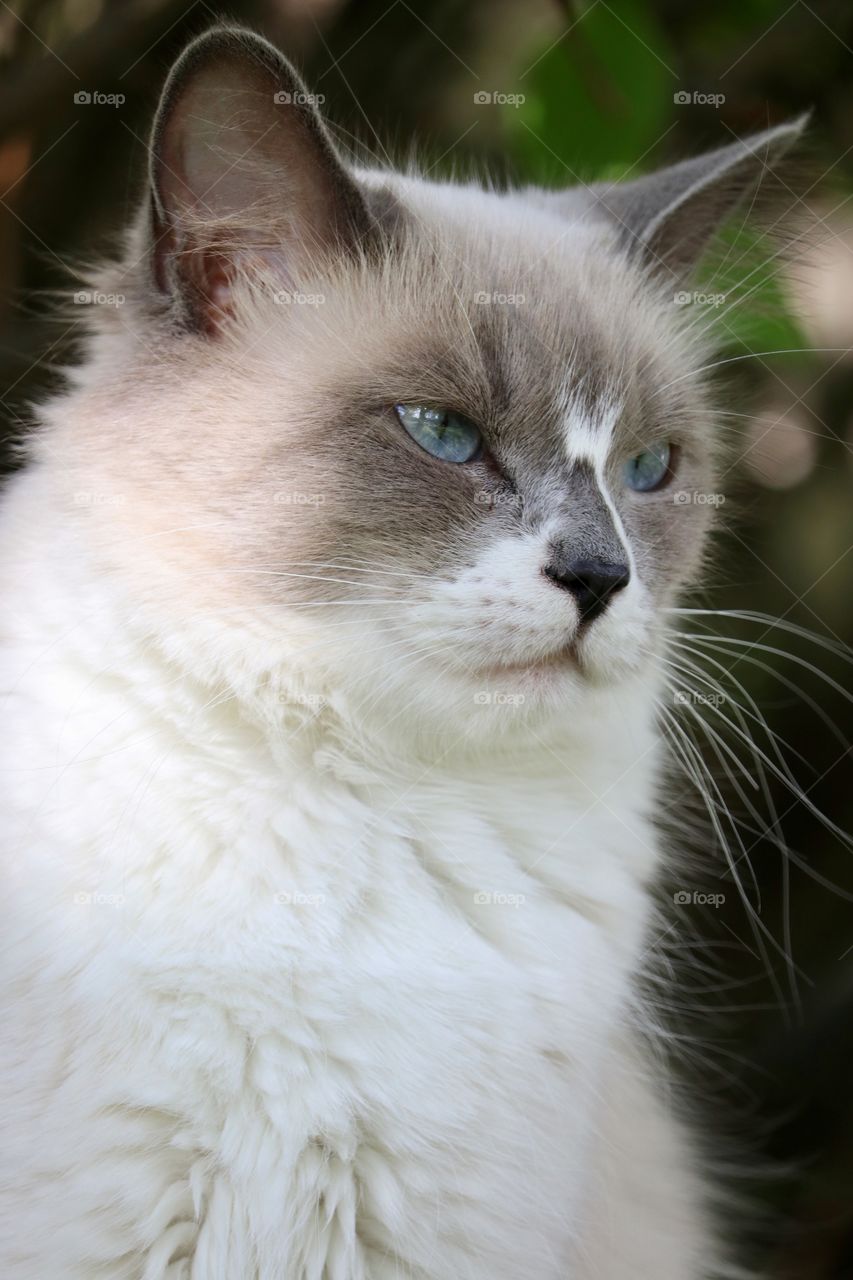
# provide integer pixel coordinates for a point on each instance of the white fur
(319, 951)
(277, 1006)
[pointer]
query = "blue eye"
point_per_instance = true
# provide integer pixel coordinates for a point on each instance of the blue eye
(648, 470)
(445, 435)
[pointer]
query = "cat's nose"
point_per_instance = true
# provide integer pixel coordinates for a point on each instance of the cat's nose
(592, 582)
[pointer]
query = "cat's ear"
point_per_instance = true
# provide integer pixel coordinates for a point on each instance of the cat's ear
(243, 173)
(668, 218)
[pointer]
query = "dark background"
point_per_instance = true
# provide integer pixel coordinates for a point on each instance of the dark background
(765, 1017)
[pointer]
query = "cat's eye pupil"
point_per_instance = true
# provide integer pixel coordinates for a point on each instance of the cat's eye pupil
(649, 469)
(441, 432)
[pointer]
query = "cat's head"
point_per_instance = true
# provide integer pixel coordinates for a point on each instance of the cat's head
(434, 451)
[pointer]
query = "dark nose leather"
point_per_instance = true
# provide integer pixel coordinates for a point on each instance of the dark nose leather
(593, 583)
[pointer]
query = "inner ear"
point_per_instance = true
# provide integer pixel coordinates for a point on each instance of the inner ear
(243, 175)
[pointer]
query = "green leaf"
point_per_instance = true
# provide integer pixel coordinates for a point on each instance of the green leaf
(595, 100)
(744, 270)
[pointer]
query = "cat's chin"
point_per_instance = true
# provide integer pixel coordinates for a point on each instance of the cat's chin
(563, 662)
(569, 668)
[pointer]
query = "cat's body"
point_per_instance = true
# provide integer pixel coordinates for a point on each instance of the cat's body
(321, 960)
(300, 1011)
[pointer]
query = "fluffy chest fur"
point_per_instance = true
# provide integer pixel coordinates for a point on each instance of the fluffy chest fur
(279, 983)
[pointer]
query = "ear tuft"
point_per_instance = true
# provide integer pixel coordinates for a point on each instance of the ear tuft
(243, 174)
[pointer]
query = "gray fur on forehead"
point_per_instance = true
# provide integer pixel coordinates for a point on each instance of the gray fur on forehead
(494, 306)
(489, 304)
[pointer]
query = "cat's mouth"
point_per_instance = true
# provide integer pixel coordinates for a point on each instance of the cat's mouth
(564, 660)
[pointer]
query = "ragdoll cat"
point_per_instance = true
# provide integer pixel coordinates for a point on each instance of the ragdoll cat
(336, 591)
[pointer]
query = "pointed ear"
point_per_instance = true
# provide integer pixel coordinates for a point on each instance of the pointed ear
(668, 218)
(243, 174)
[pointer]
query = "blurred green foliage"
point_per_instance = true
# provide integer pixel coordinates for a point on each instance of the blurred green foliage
(596, 99)
(611, 75)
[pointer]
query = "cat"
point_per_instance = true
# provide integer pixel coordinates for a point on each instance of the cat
(337, 585)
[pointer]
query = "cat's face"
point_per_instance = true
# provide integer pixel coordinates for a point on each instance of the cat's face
(450, 446)
(483, 484)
